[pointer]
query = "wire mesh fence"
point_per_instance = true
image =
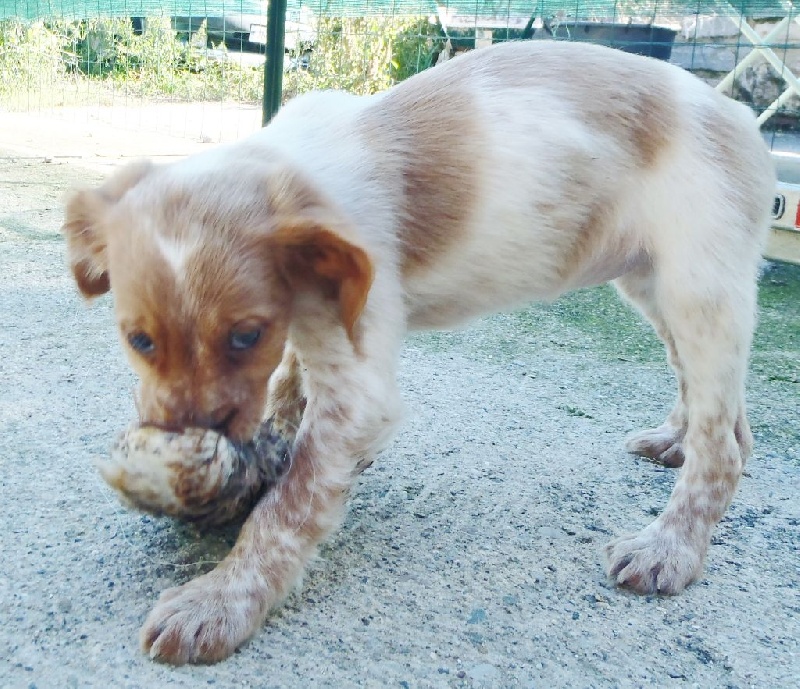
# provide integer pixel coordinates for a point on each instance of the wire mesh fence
(127, 57)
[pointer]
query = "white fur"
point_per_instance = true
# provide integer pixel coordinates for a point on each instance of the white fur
(673, 207)
(175, 253)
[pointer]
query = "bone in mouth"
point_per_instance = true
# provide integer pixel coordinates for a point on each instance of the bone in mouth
(196, 475)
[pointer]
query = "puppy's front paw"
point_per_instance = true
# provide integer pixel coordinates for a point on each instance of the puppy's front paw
(658, 559)
(203, 621)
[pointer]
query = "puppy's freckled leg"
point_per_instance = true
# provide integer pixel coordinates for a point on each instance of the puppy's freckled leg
(206, 619)
(285, 399)
(712, 334)
(662, 444)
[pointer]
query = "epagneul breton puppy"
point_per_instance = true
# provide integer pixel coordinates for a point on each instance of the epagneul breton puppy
(277, 277)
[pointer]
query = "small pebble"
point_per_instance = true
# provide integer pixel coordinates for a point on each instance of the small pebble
(550, 532)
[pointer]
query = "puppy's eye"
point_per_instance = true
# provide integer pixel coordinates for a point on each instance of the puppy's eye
(142, 343)
(240, 340)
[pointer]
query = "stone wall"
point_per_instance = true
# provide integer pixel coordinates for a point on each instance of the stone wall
(710, 46)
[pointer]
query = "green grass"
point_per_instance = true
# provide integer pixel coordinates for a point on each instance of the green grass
(776, 346)
(15, 225)
(593, 329)
(598, 319)
(597, 322)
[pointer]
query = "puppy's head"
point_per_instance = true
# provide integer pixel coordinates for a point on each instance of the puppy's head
(204, 262)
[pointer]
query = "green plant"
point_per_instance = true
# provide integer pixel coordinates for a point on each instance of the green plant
(59, 60)
(31, 56)
(366, 54)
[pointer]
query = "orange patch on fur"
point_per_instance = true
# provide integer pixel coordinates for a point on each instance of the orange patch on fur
(307, 249)
(84, 217)
(432, 139)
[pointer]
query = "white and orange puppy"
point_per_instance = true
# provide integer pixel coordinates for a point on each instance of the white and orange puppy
(279, 275)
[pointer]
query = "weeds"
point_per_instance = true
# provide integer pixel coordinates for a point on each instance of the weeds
(366, 55)
(53, 62)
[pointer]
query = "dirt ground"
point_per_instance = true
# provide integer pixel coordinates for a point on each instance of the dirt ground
(471, 553)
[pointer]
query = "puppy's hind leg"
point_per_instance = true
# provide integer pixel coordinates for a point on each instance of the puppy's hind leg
(662, 444)
(709, 308)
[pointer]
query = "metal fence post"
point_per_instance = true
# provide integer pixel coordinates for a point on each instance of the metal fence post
(273, 65)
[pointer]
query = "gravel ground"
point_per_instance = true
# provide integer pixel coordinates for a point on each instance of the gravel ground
(471, 553)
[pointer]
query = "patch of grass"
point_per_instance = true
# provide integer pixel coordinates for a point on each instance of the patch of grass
(591, 321)
(776, 345)
(25, 230)
(779, 309)
(596, 321)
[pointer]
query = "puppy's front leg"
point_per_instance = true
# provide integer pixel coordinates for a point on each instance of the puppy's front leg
(285, 398)
(206, 619)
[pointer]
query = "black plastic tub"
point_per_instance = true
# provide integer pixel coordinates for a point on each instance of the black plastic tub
(642, 39)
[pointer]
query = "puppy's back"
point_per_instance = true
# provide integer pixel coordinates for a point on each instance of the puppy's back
(540, 166)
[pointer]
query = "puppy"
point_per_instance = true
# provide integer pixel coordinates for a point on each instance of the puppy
(277, 277)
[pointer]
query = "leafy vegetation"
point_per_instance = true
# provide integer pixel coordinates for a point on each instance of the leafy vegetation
(52, 59)
(366, 55)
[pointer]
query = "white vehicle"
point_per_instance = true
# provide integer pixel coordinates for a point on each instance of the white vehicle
(784, 240)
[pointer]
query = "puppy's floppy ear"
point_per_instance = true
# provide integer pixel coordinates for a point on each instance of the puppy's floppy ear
(86, 209)
(315, 247)
(308, 250)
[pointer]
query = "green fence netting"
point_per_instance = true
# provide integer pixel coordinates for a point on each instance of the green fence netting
(87, 9)
(60, 53)
(84, 9)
